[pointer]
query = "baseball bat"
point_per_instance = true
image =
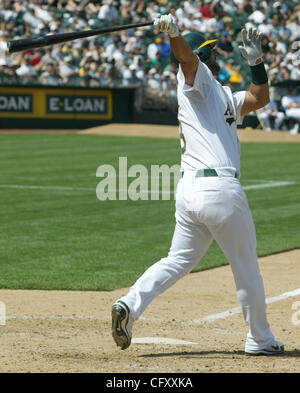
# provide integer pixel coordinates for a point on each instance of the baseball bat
(52, 39)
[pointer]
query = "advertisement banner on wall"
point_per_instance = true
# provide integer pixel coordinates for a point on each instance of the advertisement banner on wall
(25, 102)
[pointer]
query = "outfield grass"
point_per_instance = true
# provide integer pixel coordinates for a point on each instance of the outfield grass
(57, 238)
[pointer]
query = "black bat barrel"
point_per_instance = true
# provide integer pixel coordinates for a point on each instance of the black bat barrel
(52, 39)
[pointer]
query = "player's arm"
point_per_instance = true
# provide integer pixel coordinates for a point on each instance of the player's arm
(179, 46)
(258, 94)
(256, 97)
(186, 57)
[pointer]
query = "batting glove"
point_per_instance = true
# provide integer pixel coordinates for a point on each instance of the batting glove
(251, 50)
(166, 24)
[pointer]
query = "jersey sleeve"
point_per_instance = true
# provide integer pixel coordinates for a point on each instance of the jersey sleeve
(202, 83)
(238, 100)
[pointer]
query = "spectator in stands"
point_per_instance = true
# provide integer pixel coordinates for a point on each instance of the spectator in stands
(66, 69)
(258, 16)
(270, 117)
(130, 78)
(277, 11)
(274, 27)
(234, 72)
(164, 49)
(265, 45)
(224, 46)
(3, 48)
(214, 24)
(169, 85)
(291, 105)
(153, 49)
(112, 48)
(281, 6)
(103, 76)
(240, 18)
(180, 15)
(295, 73)
(26, 69)
(153, 81)
(157, 60)
(294, 26)
(49, 75)
(198, 23)
(108, 11)
(30, 18)
(120, 54)
(190, 7)
(223, 75)
(284, 72)
(114, 74)
(91, 58)
(206, 9)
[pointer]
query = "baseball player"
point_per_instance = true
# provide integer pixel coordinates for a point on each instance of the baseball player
(210, 202)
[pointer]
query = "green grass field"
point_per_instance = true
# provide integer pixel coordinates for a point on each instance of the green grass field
(55, 237)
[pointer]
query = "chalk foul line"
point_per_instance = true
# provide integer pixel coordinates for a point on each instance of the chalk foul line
(269, 184)
(207, 319)
(238, 310)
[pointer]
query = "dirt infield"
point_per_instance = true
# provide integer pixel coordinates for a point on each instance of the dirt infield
(160, 131)
(70, 331)
(66, 331)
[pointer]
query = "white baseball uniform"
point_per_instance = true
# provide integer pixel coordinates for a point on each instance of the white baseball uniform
(210, 206)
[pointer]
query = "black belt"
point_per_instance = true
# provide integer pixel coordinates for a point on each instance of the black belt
(208, 173)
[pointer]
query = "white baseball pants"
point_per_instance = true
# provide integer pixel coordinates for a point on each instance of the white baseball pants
(210, 208)
(279, 117)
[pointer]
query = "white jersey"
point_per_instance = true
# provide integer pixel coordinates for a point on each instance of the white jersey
(208, 115)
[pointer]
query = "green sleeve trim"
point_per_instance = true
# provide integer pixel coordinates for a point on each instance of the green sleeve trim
(258, 73)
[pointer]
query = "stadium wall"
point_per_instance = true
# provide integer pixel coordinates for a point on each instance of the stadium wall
(40, 107)
(64, 108)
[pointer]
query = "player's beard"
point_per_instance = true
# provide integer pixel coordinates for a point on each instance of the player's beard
(213, 66)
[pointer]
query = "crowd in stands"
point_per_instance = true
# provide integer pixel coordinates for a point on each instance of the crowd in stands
(142, 56)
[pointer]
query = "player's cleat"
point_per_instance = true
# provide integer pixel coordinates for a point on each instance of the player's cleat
(275, 349)
(121, 324)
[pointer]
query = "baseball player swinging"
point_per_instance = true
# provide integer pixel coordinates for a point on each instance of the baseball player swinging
(210, 202)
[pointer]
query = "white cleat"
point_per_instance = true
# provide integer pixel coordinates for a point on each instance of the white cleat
(275, 349)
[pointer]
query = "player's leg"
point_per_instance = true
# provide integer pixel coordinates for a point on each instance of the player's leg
(237, 238)
(294, 113)
(190, 242)
(264, 117)
(278, 120)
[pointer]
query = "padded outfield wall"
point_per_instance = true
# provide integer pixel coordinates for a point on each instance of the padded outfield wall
(64, 108)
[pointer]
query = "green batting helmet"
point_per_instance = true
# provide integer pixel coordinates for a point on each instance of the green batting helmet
(200, 46)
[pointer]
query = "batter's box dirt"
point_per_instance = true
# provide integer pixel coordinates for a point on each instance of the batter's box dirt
(70, 331)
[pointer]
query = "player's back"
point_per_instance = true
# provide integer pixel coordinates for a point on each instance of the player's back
(208, 115)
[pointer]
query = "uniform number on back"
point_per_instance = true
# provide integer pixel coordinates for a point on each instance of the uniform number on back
(182, 140)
